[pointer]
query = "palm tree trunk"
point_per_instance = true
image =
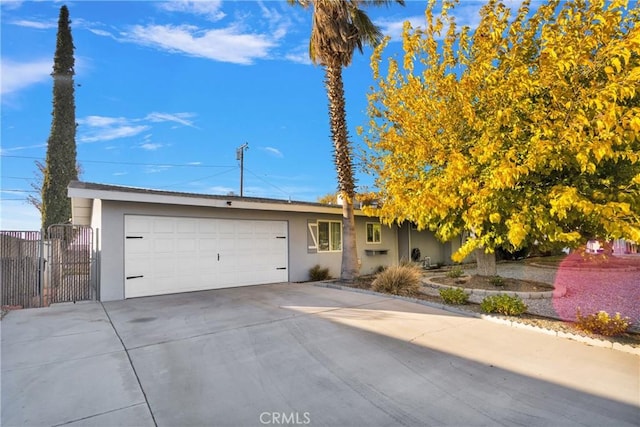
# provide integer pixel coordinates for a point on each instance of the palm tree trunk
(344, 169)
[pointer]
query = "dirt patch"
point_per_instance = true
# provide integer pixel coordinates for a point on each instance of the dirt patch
(494, 283)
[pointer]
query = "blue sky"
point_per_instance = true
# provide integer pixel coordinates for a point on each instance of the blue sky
(166, 92)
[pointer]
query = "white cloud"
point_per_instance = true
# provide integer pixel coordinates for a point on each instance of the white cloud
(104, 128)
(102, 121)
(181, 118)
(393, 28)
(5, 150)
(109, 133)
(20, 75)
(11, 4)
(100, 32)
(157, 169)
(210, 9)
(120, 173)
(278, 23)
(299, 57)
(150, 146)
(466, 13)
(39, 25)
(224, 45)
(274, 151)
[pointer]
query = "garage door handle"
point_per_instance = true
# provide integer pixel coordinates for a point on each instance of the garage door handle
(134, 277)
(281, 268)
(134, 237)
(281, 237)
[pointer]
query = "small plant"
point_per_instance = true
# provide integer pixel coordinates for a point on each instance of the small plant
(317, 273)
(503, 304)
(602, 323)
(379, 269)
(497, 281)
(404, 280)
(455, 272)
(454, 296)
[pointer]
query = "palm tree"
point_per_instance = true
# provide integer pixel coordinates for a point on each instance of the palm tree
(338, 28)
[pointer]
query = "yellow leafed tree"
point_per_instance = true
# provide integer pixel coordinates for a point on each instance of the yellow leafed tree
(525, 129)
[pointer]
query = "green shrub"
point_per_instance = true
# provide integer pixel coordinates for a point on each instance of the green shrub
(497, 281)
(454, 296)
(503, 304)
(317, 273)
(402, 280)
(455, 272)
(602, 323)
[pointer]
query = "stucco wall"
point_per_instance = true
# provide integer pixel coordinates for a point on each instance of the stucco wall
(111, 230)
(428, 244)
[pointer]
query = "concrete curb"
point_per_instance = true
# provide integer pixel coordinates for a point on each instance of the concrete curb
(508, 322)
(589, 269)
(559, 291)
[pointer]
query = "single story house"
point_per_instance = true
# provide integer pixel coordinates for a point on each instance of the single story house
(151, 242)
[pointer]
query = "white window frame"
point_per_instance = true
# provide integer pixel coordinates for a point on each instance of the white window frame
(373, 225)
(331, 245)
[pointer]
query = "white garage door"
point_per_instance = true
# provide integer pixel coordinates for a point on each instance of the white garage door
(167, 254)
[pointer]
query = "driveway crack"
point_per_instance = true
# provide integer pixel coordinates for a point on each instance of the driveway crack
(146, 400)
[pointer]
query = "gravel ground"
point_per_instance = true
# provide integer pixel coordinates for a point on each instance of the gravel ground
(590, 290)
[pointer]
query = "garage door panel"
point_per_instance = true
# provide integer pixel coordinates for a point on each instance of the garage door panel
(171, 254)
(187, 245)
(207, 244)
(187, 267)
(187, 226)
(164, 225)
(162, 268)
(227, 243)
(208, 227)
(138, 225)
(138, 246)
(163, 245)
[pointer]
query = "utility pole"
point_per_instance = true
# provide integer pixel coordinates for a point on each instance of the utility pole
(240, 156)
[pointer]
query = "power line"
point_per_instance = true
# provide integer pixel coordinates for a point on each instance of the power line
(228, 169)
(198, 179)
(268, 183)
(128, 163)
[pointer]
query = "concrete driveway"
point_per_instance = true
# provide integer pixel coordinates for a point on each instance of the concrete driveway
(295, 354)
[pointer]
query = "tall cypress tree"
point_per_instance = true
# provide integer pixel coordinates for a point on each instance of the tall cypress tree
(60, 165)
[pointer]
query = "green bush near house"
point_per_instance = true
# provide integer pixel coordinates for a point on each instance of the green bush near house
(497, 281)
(602, 323)
(455, 272)
(454, 296)
(317, 273)
(403, 280)
(503, 304)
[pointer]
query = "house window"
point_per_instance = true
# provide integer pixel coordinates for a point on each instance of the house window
(374, 232)
(329, 236)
